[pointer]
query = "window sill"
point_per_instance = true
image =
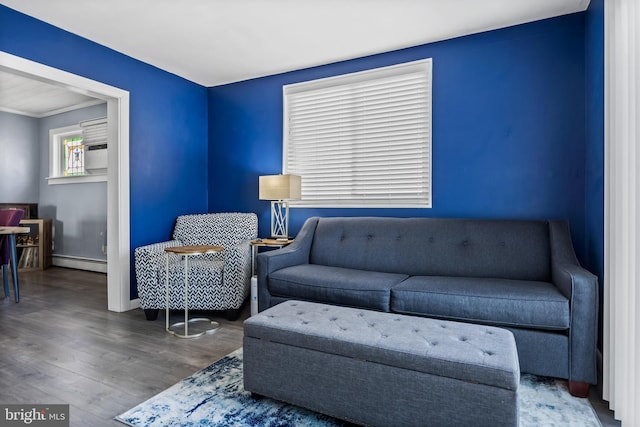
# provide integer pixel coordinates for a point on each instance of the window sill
(82, 179)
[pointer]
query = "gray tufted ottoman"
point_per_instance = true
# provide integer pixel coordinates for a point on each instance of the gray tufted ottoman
(382, 369)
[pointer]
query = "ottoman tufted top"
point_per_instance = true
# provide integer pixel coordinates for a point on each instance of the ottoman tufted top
(468, 352)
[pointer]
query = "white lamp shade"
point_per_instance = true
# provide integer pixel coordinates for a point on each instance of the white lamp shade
(279, 187)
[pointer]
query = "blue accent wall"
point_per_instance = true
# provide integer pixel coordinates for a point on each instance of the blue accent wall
(508, 128)
(78, 211)
(168, 122)
(594, 150)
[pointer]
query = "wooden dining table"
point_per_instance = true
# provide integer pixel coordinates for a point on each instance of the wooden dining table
(10, 233)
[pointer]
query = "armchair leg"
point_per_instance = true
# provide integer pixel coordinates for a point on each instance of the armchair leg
(232, 314)
(578, 389)
(151, 314)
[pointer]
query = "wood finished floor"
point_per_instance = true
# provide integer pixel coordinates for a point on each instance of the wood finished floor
(61, 345)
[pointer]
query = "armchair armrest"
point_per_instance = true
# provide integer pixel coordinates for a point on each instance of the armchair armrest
(581, 288)
(237, 270)
(148, 260)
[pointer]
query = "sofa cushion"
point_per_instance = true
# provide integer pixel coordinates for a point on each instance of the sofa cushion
(343, 286)
(502, 302)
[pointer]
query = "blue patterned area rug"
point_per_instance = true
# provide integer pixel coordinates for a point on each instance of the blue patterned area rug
(215, 396)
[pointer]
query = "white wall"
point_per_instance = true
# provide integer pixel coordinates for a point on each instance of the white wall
(19, 159)
(78, 211)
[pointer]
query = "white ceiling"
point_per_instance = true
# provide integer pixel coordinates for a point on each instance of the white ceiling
(213, 42)
(33, 98)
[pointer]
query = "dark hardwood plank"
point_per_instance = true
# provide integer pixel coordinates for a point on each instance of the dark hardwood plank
(61, 345)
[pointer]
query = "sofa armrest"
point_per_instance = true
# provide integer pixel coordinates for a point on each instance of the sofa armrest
(294, 254)
(581, 288)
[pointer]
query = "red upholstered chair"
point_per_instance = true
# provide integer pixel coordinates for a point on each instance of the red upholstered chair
(11, 218)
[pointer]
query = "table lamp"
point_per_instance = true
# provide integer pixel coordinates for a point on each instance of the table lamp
(279, 189)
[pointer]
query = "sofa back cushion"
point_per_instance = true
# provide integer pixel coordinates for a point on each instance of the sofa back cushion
(510, 249)
(223, 229)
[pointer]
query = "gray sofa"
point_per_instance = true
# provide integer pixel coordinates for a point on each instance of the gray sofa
(517, 274)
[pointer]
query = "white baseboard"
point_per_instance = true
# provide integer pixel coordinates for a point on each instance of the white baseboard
(79, 263)
(134, 303)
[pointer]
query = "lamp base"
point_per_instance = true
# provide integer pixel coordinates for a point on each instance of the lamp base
(279, 219)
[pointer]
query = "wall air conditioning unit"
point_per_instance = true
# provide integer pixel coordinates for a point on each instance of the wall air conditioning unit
(94, 138)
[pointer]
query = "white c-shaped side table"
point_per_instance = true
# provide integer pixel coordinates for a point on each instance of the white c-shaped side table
(185, 252)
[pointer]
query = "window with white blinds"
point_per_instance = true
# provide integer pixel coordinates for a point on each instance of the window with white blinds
(361, 139)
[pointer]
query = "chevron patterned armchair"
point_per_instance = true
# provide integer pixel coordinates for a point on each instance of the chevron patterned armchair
(217, 281)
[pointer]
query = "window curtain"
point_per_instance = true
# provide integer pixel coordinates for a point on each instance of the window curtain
(621, 358)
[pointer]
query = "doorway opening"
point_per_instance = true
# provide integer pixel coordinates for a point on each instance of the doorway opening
(118, 221)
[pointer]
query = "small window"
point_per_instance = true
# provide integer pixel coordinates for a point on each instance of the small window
(68, 152)
(361, 139)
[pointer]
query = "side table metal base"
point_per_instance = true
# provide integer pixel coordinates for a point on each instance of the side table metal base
(185, 251)
(198, 324)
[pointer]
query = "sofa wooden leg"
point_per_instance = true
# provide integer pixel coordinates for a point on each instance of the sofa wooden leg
(578, 389)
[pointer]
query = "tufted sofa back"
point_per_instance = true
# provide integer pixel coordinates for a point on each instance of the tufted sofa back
(224, 229)
(510, 249)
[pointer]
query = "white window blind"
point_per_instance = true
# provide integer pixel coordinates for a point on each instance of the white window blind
(361, 139)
